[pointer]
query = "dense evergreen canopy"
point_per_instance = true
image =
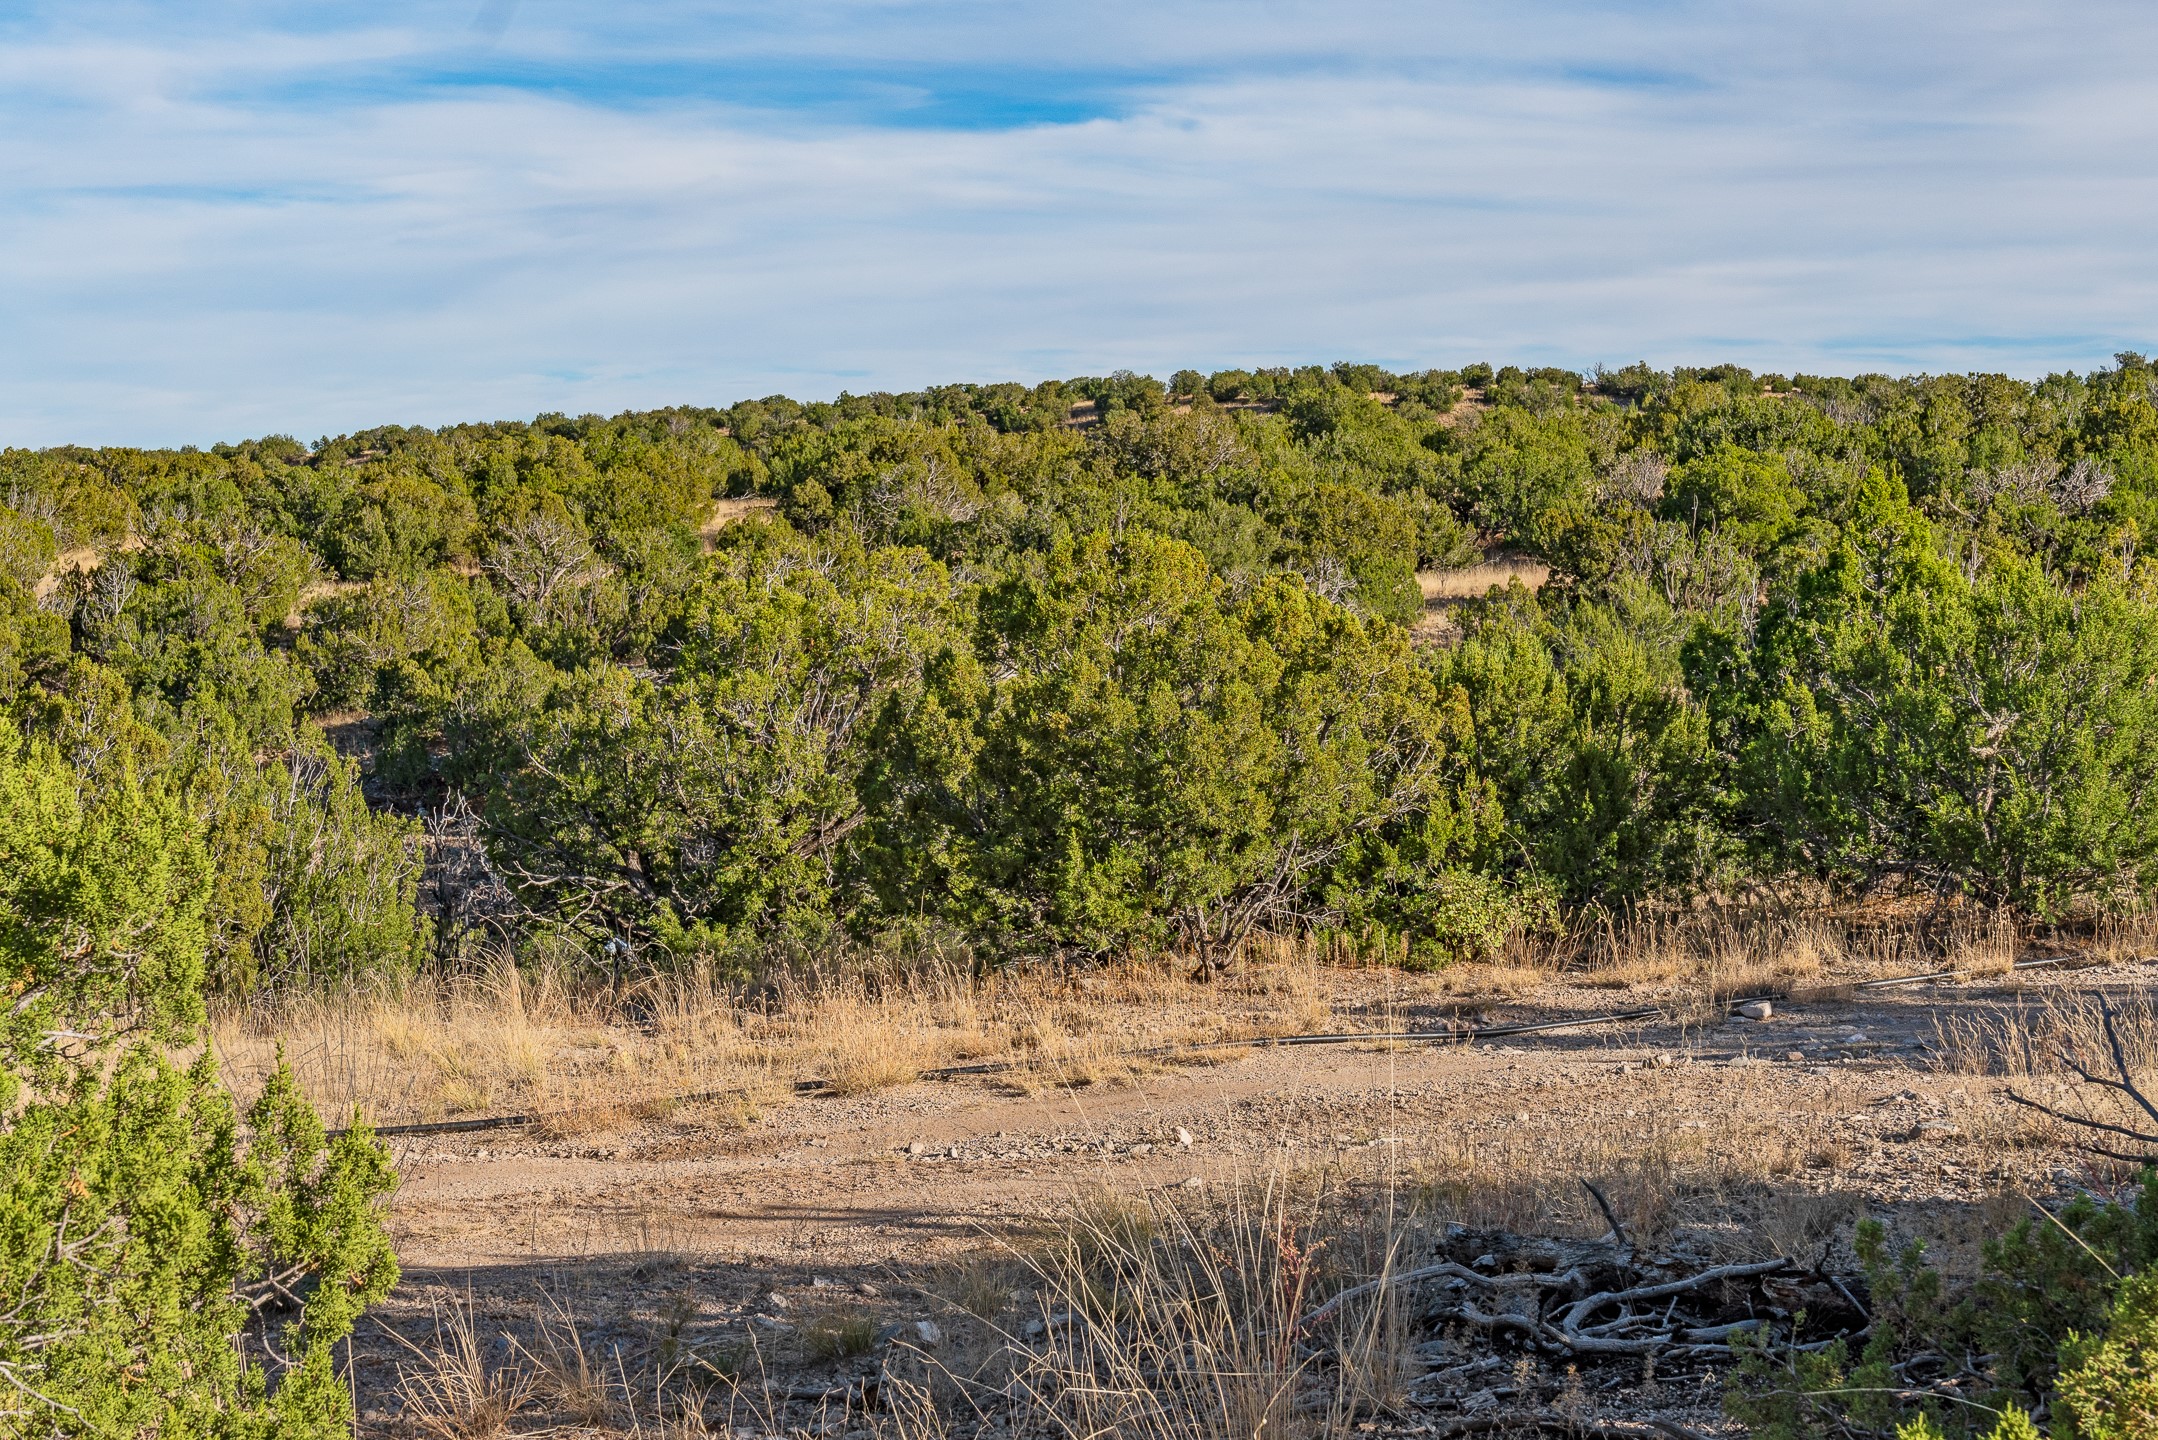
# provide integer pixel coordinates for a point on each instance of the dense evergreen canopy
(1109, 663)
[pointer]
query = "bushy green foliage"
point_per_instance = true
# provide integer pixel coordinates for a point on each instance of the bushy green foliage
(1129, 755)
(1593, 748)
(713, 807)
(2065, 1317)
(166, 1272)
(2108, 1387)
(1050, 663)
(1975, 725)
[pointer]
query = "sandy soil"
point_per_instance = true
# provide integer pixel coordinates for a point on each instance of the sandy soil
(712, 1221)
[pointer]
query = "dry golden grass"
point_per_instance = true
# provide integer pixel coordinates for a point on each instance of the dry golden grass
(563, 1371)
(1719, 954)
(1184, 1309)
(727, 512)
(1663, 1166)
(451, 1390)
(1471, 582)
(591, 1060)
(2037, 1037)
(1168, 1317)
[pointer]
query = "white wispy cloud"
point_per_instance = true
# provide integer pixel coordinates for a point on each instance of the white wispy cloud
(263, 218)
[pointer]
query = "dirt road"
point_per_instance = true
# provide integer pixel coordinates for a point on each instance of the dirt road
(1790, 1125)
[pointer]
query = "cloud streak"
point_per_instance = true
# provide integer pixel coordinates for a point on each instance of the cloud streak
(261, 219)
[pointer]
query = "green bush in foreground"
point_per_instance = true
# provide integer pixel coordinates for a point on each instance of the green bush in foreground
(2063, 1323)
(168, 1265)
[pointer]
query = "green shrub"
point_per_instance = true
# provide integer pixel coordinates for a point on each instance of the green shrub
(2065, 1315)
(1981, 727)
(168, 1270)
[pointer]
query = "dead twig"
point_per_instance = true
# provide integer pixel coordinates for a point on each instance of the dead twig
(2121, 1081)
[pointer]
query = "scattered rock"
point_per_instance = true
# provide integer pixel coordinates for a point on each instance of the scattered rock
(916, 1147)
(1664, 1060)
(1193, 1183)
(1757, 1010)
(927, 1332)
(1794, 1056)
(1183, 1137)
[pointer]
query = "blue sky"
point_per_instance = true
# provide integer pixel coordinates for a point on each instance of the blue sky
(226, 219)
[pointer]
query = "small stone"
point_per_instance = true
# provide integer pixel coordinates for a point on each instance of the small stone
(1183, 1137)
(927, 1332)
(820, 1282)
(916, 1147)
(1193, 1183)
(1522, 1116)
(1794, 1056)
(1756, 1010)
(1664, 1061)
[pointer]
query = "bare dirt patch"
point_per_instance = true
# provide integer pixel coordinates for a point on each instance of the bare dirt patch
(808, 1238)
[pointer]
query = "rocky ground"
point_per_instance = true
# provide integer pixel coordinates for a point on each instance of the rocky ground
(813, 1226)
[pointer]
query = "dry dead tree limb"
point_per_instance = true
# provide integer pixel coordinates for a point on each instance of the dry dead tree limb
(1581, 1309)
(1444, 1270)
(2087, 1123)
(1848, 1298)
(2122, 1081)
(2126, 1083)
(1618, 1231)
(1558, 1423)
(1687, 1342)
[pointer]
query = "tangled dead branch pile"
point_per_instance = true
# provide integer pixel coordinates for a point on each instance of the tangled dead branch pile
(1505, 1315)
(1495, 1333)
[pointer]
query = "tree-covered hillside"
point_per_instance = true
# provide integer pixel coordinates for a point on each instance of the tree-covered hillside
(1110, 664)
